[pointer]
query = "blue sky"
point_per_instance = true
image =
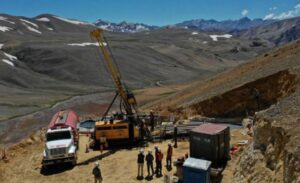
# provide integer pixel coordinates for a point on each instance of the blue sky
(155, 12)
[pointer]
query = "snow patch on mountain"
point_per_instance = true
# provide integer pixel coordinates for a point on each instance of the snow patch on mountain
(43, 19)
(195, 33)
(85, 44)
(32, 29)
(4, 28)
(72, 21)
(215, 37)
(8, 62)
(28, 22)
(11, 57)
(5, 19)
(1, 46)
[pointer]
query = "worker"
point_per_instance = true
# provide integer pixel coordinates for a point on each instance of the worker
(97, 173)
(160, 158)
(152, 120)
(149, 160)
(169, 156)
(140, 162)
(103, 143)
(156, 158)
(175, 136)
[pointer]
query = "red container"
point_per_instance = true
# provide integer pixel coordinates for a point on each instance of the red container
(64, 119)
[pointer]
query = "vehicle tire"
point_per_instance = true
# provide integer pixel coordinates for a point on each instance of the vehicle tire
(74, 162)
(45, 167)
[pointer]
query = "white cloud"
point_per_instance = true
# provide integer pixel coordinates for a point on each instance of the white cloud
(284, 15)
(269, 16)
(297, 8)
(273, 8)
(245, 12)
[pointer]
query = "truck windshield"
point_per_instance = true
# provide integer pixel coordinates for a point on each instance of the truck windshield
(58, 136)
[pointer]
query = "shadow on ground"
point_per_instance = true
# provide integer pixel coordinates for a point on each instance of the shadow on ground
(95, 158)
(50, 170)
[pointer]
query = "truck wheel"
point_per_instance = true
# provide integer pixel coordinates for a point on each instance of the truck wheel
(74, 162)
(45, 167)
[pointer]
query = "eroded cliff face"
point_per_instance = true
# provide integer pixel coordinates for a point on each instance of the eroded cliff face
(253, 96)
(274, 155)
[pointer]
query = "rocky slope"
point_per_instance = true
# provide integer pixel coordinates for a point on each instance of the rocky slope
(274, 155)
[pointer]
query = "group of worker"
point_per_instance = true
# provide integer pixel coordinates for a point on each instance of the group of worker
(149, 158)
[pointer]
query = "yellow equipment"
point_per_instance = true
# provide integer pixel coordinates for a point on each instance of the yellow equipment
(118, 130)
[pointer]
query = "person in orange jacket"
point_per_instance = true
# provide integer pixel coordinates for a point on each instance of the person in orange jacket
(160, 157)
(169, 156)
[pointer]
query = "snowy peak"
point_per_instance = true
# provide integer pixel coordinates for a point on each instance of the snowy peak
(123, 26)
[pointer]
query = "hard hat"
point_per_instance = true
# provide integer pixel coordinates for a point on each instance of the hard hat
(141, 150)
(158, 149)
(96, 163)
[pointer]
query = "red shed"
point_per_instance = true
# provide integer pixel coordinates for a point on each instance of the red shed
(210, 142)
(63, 119)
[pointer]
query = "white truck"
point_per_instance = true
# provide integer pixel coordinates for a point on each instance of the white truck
(61, 139)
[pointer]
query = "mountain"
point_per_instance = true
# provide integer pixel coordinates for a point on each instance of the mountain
(123, 26)
(279, 32)
(50, 58)
(223, 26)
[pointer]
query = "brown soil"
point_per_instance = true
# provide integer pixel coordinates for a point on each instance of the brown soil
(24, 164)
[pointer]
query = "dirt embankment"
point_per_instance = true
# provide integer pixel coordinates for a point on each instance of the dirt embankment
(253, 96)
(275, 153)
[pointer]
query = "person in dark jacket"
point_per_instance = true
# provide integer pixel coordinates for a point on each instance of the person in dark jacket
(156, 158)
(175, 136)
(169, 156)
(149, 160)
(97, 173)
(140, 162)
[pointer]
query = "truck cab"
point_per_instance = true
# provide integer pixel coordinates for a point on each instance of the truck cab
(61, 139)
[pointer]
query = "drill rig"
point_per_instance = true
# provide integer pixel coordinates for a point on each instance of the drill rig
(124, 129)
